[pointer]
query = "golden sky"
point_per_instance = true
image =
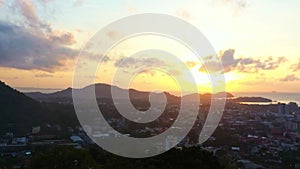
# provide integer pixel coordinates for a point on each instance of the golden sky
(256, 41)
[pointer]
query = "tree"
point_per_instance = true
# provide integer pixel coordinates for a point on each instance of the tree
(63, 158)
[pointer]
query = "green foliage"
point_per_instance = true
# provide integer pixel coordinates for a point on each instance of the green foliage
(63, 158)
(18, 113)
(94, 157)
(290, 158)
(223, 138)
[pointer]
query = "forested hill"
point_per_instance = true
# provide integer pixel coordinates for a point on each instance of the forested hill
(19, 113)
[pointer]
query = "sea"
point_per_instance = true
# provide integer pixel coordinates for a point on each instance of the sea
(274, 96)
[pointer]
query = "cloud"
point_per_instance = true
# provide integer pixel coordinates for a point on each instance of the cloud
(9, 78)
(64, 38)
(153, 72)
(130, 7)
(150, 72)
(43, 75)
(295, 67)
(211, 66)
(113, 35)
(228, 60)
(23, 49)
(239, 4)
(249, 65)
(236, 7)
(28, 11)
(45, 1)
(174, 72)
(78, 3)
(289, 78)
(132, 10)
(191, 64)
(32, 43)
(138, 62)
(130, 64)
(182, 13)
(245, 65)
(104, 58)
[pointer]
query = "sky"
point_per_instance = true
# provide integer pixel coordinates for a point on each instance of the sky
(257, 41)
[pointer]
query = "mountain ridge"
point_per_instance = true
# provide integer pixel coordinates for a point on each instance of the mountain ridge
(19, 113)
(104, 91)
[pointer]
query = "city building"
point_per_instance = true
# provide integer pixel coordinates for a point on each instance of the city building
(292, 107)
(36, 129)
(281, 108)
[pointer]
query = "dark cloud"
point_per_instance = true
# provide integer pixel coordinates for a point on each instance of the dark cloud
(105, 59)
(20, 48)
(225, 57)
(63, 38)
(32, 43)
(250, 65)
(246, 65)
(289, 78)
(228, 60)
(295, 67)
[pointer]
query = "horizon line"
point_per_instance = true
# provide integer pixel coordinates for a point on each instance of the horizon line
(40, 89)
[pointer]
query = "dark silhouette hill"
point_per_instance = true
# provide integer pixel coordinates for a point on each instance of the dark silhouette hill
(250, 99)
(19, 113)
(104, 91)
(206, 97)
